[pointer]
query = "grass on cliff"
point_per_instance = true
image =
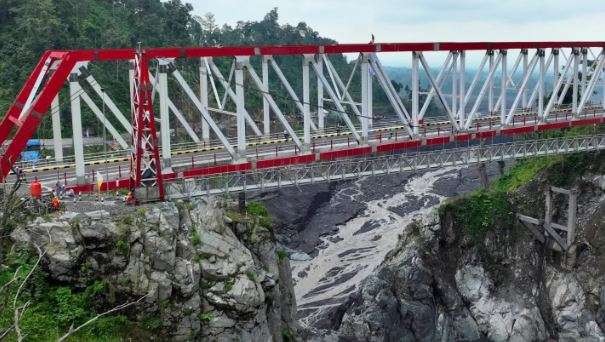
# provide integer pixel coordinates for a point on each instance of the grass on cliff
(491, 208)
(53, 308)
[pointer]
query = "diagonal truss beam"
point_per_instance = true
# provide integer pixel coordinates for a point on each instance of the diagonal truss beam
(206, 116)
(438, 91)
(486, 84)
(528, 72)
(288, 86)
(265, 92)
(333, 96)
(175, 110)
(89, 78)
(386, 85)
(215, 71)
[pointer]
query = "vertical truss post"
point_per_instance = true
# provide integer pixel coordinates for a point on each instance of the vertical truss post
(306, 102)
(321, 113)
(204, 98)
(503, 84)
(603, 80)
(541, 83)
(555, 53)
(462, 86)
(266, 109)
(240, 106)
(76, 126)
(55, 109)
(366, 104)
(589, 88)
(584, 71)
(164, 113)
(370, 114)
(574, 95)
(146, 167)
(490, 84)
(455, 83)
(415, 90)
(524, 92)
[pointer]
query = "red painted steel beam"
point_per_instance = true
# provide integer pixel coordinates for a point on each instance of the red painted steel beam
(13, 112)
(230, 51)
(32, 119)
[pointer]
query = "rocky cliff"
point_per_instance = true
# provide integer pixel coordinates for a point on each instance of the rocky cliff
(203, 272)
(455, 278)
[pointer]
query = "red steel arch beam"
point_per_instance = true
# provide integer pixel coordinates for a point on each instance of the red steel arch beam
(12, 114)
(38, 109)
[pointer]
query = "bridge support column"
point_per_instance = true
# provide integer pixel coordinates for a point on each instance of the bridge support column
(164, 114)
(415, 90)
(204, 98)
(503, 84)
(266, 109)
(366, 98)
(306, 103)
(76, 127)
(55, 109)
(321, 113)
(240, 107)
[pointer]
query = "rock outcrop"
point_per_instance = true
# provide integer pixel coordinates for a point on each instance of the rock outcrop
(441, 284)
(205, 274)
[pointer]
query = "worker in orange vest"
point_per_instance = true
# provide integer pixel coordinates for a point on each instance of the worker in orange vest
(55, 203)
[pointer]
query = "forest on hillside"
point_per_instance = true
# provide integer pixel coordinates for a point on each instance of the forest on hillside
(28, 27)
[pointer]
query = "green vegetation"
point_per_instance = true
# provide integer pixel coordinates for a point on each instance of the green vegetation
(258, 209)
(206, 316)
(195, 238)
(492, 208)
(52, 308)
(281, 254)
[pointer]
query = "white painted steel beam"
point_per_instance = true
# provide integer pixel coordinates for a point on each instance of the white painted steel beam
(331, 93)
(528, 70)
(240, 106)
(266, 108)
(486, 84)
(76, 127)
(445, 68)
(203, 69)
(55, 110)
(440, 95)
(265, 92)
(284, 81)
(205, 114)
(164, 113)
(233, 96)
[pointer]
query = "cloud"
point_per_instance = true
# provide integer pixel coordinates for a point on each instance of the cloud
(350, 21)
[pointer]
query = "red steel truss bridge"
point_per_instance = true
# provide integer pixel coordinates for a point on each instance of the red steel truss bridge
(497, 109)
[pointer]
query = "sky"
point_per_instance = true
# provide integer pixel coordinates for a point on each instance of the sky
(353, 21)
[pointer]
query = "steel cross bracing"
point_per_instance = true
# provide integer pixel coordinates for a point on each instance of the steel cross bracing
(326, 111)
(354, 168)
